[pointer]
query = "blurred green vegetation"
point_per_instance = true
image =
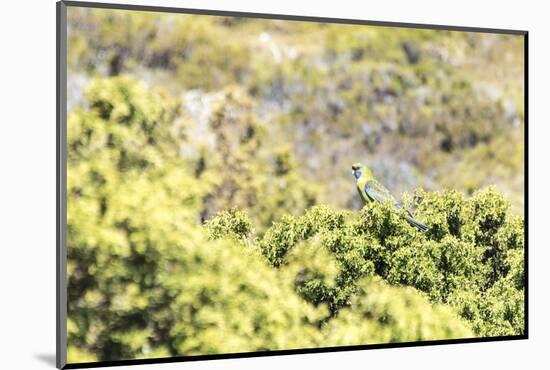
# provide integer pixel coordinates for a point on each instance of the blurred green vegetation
(250, 127)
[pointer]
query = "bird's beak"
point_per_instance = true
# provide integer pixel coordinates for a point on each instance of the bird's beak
(353, 172)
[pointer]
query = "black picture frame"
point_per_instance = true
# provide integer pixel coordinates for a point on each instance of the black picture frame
(61, 182)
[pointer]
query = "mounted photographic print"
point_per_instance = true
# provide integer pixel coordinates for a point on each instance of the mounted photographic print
(238, 184)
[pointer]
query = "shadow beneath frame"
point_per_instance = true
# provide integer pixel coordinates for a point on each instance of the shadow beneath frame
(47, 358)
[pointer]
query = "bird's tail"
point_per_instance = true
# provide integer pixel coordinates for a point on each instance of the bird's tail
(416, 224)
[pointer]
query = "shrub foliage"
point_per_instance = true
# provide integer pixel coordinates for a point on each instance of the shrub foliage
(471, 254)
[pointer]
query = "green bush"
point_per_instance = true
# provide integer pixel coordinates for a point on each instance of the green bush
(471, 255)
(380, 313)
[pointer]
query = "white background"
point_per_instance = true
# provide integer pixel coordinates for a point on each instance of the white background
(27, 183)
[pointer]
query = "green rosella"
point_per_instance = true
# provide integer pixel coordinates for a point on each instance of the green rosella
(373, 191)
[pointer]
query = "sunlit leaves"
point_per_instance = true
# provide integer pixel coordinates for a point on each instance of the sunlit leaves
(472, 252)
